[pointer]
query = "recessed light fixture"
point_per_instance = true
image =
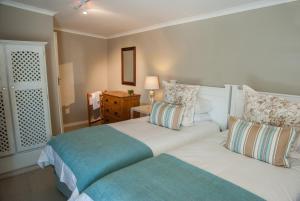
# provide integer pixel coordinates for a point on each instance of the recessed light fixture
(82, 6)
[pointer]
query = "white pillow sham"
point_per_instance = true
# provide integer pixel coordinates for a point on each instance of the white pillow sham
(198, 118)
(203, 106)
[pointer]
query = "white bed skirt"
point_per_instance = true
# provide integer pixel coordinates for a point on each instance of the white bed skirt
(85, 197)
(64, 173)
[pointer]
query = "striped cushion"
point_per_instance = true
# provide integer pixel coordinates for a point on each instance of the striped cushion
(263, 142)
(166, 115)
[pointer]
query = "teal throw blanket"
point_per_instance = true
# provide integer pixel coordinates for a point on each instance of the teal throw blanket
(165, 178)
(94, 152)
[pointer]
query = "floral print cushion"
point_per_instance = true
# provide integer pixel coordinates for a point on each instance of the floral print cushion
(185, 95)
(169, 92)
(272, 110)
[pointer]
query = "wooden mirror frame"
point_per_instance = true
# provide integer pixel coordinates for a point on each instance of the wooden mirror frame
(134, 66)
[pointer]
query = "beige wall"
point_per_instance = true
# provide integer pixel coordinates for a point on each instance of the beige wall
(260, 48)
(17, 24)
(83, 63)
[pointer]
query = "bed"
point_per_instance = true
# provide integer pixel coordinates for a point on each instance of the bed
(203, 170)
(79, 161)
(261, 180)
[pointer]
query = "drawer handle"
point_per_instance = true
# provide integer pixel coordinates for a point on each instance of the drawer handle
(107, 110)
(116, 113)
(106, 100)
(115, 102)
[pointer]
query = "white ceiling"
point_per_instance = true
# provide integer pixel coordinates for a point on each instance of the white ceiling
(110, 18)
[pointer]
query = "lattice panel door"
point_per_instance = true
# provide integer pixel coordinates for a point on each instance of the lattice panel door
(6, 131)
(29, 95)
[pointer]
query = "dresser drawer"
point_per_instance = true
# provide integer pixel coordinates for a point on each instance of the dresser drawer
(116, 105)
(113, 111)
(111, 101)
(110, 119)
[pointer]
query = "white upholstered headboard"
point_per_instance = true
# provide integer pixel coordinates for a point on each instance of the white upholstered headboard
(220, 102)
(237, 100)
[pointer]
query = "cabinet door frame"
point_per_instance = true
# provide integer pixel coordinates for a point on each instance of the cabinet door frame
(14, 86)
(6, 101)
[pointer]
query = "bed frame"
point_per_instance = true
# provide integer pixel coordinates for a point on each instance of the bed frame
(237, 100)
(219, 98)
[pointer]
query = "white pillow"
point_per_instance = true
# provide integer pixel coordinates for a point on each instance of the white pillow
(202, 106)
(294, 162)
(295, 150)
(198, 118)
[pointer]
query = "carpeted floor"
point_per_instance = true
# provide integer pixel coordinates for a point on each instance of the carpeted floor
(37, 185)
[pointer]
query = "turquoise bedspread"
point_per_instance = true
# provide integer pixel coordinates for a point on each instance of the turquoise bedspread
(94, 152)
(165, 178)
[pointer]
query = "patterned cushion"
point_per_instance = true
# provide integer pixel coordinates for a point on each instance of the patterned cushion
(166, 115)
(268, 109)
(182, 94)
(263, 142)
(169, 92)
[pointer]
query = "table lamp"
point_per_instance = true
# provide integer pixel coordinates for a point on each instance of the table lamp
(151, 84)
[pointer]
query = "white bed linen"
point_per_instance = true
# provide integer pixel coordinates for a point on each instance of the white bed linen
(267, 181)
(159, 139)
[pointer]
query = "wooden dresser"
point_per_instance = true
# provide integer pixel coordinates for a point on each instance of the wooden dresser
(117, 104)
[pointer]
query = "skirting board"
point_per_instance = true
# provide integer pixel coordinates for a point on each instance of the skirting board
(18, 161)
(78, 123)
(19, 171)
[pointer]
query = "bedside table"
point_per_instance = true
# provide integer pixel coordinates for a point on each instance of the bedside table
(140, 111)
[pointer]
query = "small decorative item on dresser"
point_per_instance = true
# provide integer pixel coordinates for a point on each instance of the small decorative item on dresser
(151, 83)
(140, 111)
(130, 92)
(117, 104)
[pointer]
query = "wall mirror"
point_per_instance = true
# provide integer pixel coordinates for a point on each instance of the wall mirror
(128, 55)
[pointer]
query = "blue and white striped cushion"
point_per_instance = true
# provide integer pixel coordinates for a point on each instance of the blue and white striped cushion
(166, 115)
(263, 142)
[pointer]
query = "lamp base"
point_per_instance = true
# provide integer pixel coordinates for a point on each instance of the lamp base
(151, 96)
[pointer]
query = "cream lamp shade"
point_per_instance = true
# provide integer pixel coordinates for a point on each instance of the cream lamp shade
(151, 83)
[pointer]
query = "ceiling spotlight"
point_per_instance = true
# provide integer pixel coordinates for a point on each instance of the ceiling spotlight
(81, 4)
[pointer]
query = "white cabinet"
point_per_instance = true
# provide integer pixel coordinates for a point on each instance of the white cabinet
(24, 106)
(7, 145)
